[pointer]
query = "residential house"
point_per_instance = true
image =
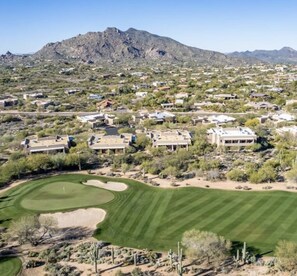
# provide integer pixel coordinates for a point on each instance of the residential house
(199, 106)
(7, 102)
(179, 102)
(158, 117)
(104, 104)
(181, 96)
(141, 94)
(37, 95)
(72, 91)
(110, 143)
(43, 104)
(255, 95)
(283, 117)
(287, 129)
(230, 137)
(167, 105)
(224, 96)
(171, 139)
(59, 143)
(158, 83)
(94, 120)
(220, 119)
(262, 105)
(95, 97)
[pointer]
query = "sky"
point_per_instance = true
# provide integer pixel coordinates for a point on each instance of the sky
(220, 25)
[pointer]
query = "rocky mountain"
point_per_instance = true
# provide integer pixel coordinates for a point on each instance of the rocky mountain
(114, 45)
(285, 55)
(9, 57)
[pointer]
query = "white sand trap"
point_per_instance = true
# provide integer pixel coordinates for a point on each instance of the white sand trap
(112, 186)
(79, 218)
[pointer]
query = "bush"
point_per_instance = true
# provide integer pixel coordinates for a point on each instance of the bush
(236, 175)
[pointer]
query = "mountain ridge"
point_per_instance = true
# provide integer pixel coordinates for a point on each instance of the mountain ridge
(286, 55)
(114, 45)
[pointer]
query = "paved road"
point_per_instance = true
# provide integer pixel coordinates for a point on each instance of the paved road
(75, 113)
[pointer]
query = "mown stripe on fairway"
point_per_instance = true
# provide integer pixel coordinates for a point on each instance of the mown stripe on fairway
(145, 215)
(127, 210)
(187, 207)
(183, 200)
(240, 215)
(185, 213)
(278, 223)
(222, 214)
(292, 229)
(259, 217)
(152, 228)
(189, 220)
(132, 223)
(123, 200)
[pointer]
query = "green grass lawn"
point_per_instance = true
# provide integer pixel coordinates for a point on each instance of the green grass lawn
(148, 217)
(64, 195)
(10, 266)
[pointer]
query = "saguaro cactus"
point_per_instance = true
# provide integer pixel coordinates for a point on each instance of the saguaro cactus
(244, 252)
(170, 253)
(112, 255)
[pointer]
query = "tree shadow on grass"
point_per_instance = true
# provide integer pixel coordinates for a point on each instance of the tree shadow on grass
(238, 245)
(6, 198)
(4, 220)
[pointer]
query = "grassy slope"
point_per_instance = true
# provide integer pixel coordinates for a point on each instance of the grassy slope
(148, 217)
(10, 266)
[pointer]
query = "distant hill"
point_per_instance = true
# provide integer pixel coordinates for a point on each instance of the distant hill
(285, 55)
(114, 45)
(11, 58)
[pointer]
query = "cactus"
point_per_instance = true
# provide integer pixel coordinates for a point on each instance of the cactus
(244, 252)
(179, 260)
(95, 256)
(112, 255)
(180, 263)
(170, 253)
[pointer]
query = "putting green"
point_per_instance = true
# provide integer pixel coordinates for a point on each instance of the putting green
(10, 266)
(64, 195)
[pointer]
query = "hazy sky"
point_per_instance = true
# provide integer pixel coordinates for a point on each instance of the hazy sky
(221, 25)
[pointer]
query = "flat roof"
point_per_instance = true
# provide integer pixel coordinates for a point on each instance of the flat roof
(230, 132)
(110, 141)
(173, 137)
(45, 143)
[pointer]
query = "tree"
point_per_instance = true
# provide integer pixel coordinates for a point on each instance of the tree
(33, 230)
(236, 175)
(292, 175)
(142, 141)
(169, 171)
(124, 168)
(252, 123)
(286, 254)
(39, 162)
(206, 245)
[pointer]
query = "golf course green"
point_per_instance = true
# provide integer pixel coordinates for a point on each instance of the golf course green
(64, 195)
(10, 266)
(150, 217)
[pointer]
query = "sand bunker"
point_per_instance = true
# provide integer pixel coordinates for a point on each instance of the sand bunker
(113, 186)
(79, 218)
